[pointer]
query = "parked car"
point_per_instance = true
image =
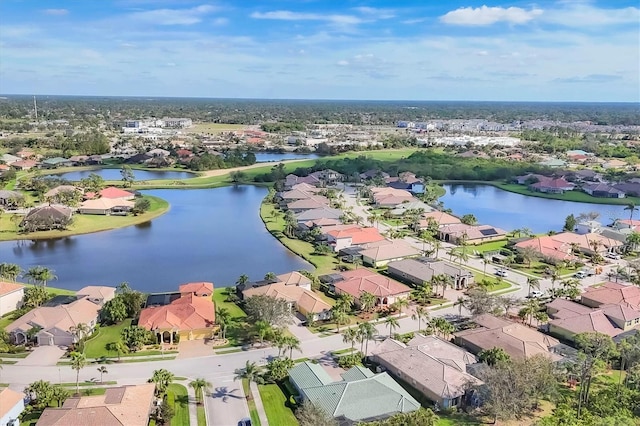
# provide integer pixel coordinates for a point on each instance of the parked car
(245, 422)
(501, 273)
(614, 256)
(536, 294)
(580, 274)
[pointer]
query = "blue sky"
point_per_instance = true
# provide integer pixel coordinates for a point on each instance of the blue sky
(569, 50)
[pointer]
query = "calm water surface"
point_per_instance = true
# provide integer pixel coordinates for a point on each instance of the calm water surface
(508, 210)
(114, 174)
(208, 235)
(263, 157)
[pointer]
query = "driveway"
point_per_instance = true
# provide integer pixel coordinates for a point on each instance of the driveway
(221, 412)
(300, 331)
(193, 349)
(43, 355)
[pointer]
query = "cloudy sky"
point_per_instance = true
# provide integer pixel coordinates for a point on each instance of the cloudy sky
(568, 50)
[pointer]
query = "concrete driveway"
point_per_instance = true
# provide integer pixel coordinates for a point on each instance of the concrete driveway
(194, 348)
(43, 355)
(229, 412)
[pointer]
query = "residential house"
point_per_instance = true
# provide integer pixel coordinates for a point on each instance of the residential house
(611, 293)
(553, 163)
(123, 405)
(552, 186)
(27, 154)
(55, 162)
(343, 236)
(380, 253)
(434, 367)
(53, 193)
(471, 234)
(414, 205)
(420, 270)
(292, 180)
(24, 164)
(116, 193)
(358, 281)
(10, 198)
(328, 177)
(295, 288)
(586, 175)
(602, 190)
(106, 206)
(11, 295)
(588, 227)
(11, 406)
(97, 294)
(159, 152)
(561, 247)
(56, 321)
(310, 203)
(517, 340)
(372, 174)
(570, 318)
(360, 396)
(614, 164)
(438, 217)
(530, 178)
(407, 181)
(630, 188)
(390, 197)
(9, 159)
(319, 213)
(46, 218)
(190, 316)
(550, 249)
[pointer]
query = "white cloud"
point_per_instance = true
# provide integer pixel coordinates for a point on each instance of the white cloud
(219, 22)
(190, 16)
(585, 15)
(375, 12)
(485, 15)
(287, 15)
(56, 12)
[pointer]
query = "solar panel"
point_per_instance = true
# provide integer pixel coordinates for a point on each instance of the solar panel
(487, 232)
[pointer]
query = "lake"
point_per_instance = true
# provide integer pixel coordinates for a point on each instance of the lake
(265, 157)
(508, 210)
(114, 174)
(208, 235)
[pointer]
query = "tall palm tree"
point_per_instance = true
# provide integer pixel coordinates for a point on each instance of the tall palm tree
(392, 324)
(291, 343)
(40, 275)
(460, 302)
(10, 271)
(79, 332)
(485, 260)
(340, 317)
(366, 331)
(350, 335)
(420, 314)
(346, 300)
(78, 362)
(102, 370)
(262, 328)
(118, 347)
(242, 279)
(533, 283)
(162, 378)
(223, 317)
(632, 208)
(367, 301)
(200, 386)
(250, 372)
(401, 303)
(270, 276)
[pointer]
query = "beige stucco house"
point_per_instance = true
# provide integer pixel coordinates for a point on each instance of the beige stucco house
(11, 295)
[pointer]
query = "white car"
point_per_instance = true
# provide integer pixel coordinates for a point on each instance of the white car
(614, 256)
(501, 273)
(537, 293)
(580, 274)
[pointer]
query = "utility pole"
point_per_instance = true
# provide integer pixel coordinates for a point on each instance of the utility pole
(35, 108)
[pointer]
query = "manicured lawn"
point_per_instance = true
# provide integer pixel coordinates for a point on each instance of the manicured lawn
(253, 411)
(538, 269)
(275, 405)
(219, 298)
(274, 221)
(490, 246)
(577, 196)
(96, 346)
(177, 397)
(84, 224)
(202, 418)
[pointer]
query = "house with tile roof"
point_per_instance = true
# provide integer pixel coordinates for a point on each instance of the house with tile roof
(472, 234)
(360, 396)
(190, 316)
(24, 164)
(11, 406)
(381, 253)
(343, 236)
(358, 281)
(603, 190)
(319, 213)
(517, 340)
(119, 406)
(435, 367)
(295, 288)
(391, 197)
(420, 270)
(439, 217)
(46, 218)
(552, 186)
(313, 202)
(106, 206)
(550, 249)
(97, 294)
(116, 193)
(611, 293)
(11, 295)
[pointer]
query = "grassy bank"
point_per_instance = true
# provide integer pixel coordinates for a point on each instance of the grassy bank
(575, 196)
(85, 224)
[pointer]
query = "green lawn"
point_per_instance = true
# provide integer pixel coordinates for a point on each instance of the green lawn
(219, 298)
(237, 329)
(95, 347)
(202, 418)
(84, 224)
(178, 398)
(577, 196)
(214, 128)
(490, 246)
(253, 411)
(538, 269)
(275, 406)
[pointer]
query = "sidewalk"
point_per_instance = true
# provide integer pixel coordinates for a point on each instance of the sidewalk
(193, 412)
(258, 400)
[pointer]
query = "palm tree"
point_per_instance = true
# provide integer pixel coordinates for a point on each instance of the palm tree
(392, 324)
(162, 378)
(460, 302)
(366, 332)
(10, 271)
(270, 276)
(200, 386)
(278, 340)
(291, 343)
(533, 283)
(345, 300)
(340, 317)
(420, 314)
(243, 279)
(118, 347)
(250, 372)
(40, 275)
(102, 370)
(78, 362)
(367, 301)
(632, 208)
(262, 328)
(485, 260)
(223, 317)
(79, 331)
(350, 335)
(401, 303)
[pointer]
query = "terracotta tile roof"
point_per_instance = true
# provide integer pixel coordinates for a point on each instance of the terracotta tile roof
(441, 218)
(113, 192)
(306, 300)
(196, 288)
(549, 247)
(358, 234)
(105, 203)
(613, 293)
(122, 406)
(188, 312)
(6, 288)
(360, 280)
(8, 399)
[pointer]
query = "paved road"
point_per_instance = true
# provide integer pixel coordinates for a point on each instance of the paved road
(226, 404)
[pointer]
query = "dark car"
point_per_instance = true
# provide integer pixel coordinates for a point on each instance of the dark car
(245, 422)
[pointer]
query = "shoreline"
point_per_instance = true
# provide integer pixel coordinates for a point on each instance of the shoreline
(163, 208)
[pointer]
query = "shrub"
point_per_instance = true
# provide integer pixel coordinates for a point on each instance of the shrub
(348, 361)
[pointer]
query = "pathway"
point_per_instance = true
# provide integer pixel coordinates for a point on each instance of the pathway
(193, 411)
(258, 401)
